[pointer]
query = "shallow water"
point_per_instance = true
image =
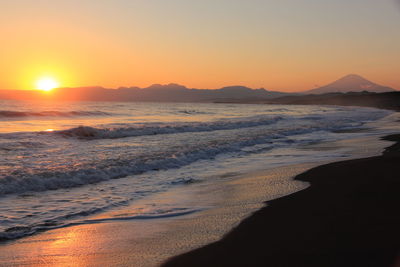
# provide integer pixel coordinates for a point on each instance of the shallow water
(62, 162)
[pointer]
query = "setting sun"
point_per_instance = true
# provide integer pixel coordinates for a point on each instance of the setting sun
(46, 84)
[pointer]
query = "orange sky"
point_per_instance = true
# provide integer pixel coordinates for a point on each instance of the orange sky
(279, 45)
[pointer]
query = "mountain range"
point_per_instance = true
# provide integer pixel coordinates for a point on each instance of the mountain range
(157, 92)
(179, 93)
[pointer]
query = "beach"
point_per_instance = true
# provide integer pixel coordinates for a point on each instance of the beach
(199, 133)
(347, 217)
(135, 242)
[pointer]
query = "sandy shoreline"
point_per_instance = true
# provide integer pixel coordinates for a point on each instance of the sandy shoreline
(347, 217)
(149, 243)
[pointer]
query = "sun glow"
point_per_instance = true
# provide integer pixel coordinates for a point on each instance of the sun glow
(46, 84)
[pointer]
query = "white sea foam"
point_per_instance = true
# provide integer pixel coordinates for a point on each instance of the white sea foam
(277, 135)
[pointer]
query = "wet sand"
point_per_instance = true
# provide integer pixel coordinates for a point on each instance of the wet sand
(349, 216)
(150, 242)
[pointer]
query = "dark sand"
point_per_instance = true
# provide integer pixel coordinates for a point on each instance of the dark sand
(349, 216)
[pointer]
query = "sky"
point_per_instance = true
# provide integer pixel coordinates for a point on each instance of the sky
(286, 45)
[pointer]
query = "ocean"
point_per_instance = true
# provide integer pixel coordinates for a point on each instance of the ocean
(63, 162)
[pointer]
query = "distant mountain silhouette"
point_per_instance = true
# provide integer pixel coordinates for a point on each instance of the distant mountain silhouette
(350, 83)
(179, 93)
(156, 92)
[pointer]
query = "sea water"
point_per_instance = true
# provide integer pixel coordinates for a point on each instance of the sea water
(62, 162)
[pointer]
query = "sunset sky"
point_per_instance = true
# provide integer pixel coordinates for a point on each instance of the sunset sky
(283, 45)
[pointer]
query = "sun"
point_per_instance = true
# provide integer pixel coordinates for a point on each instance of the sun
(46, 84)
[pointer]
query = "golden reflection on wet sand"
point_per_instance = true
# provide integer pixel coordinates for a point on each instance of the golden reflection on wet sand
(149, 242)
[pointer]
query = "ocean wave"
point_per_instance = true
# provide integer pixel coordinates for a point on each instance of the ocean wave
(87, 132)
(25, 180)
(49, 161)
(18, 114)
(114, 169)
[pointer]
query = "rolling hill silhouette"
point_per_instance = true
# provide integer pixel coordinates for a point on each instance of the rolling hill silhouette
(156, 92)
(178, 93)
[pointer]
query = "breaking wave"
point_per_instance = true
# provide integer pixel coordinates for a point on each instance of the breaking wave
(52, 180)
(86, 132)
(114, 169)
(181, 155)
